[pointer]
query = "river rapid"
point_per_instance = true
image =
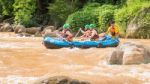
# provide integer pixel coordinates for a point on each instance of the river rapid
(23, 60)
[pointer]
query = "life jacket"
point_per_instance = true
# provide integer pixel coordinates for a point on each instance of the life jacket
(113, 31)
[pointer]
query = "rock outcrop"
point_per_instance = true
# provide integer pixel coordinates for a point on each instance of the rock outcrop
(49, 27)
(36, 31)
(6, 27)
(139, 26)
(19, 28)
(60, 80)
(32, 30)
(49, 31)
(130, 53)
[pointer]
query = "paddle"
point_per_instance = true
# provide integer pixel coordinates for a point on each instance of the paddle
(60, 36)
(78, 32)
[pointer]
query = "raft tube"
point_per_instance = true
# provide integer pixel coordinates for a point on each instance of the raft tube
(55, 43)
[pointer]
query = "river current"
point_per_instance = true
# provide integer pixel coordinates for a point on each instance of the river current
(23, 60)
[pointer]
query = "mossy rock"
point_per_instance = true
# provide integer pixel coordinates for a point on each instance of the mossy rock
(139, 26)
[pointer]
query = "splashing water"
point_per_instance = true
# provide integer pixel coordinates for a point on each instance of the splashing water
(25, 60)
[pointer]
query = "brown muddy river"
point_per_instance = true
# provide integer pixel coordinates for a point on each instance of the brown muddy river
(24, 60)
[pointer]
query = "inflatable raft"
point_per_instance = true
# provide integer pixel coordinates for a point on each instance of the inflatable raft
(55, 43)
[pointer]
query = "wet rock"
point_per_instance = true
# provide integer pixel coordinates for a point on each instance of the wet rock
(50, 27)
(49, 32)
(19, 28)
(38, 34)
(46, 30)
(6, 27)
(60, 80)
(36, 31)
(115, 57)
(32, 30)
(133, 55)
(129, 53)
(1, 25)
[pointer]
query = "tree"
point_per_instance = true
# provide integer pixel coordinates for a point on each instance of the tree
(114, 2)
(6, 8)
(60, 9)
(23, 11)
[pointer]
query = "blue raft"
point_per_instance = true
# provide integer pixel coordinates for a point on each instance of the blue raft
(55, 43)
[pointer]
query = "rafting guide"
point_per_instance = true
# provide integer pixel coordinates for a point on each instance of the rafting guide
(113, 30)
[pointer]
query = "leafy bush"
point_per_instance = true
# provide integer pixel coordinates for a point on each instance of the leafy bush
(23, 11)
(91, 6)
(6, 7)
(0, 9)
(59, 11)
(81, 18)
(114, 2)
(87, 15)
(124, 15)
(106, 14)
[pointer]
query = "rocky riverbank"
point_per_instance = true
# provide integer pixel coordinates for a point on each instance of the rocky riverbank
(23, 31)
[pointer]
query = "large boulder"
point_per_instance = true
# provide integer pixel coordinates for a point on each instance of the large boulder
(27, 31)
(32, 30)
(39, 31)
(60, 80)
(50, 27)
(19, 28)
(115, 57)
(1, 25)
(133, 55)
(49, 31)
(139, 26)
(129, 53)
(6, 27)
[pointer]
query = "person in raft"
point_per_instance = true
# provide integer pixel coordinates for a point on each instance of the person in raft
(94, 34)
(66, 32)
(86, 33)
(113, 30)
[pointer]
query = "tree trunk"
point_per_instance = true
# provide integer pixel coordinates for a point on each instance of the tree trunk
(40, 4)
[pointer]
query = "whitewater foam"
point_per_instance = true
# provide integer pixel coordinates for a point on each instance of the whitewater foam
(17, 80)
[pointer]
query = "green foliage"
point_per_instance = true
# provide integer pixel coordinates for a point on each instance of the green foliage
(106, 14)
(91, 6)
(0, 9)
(77, 13)
(80, 19)
(144, 32)
(6, 7)
(59, 11)
(87, 15)
(23, 11)
(114, 2)
(0, 12)
(124, 15)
